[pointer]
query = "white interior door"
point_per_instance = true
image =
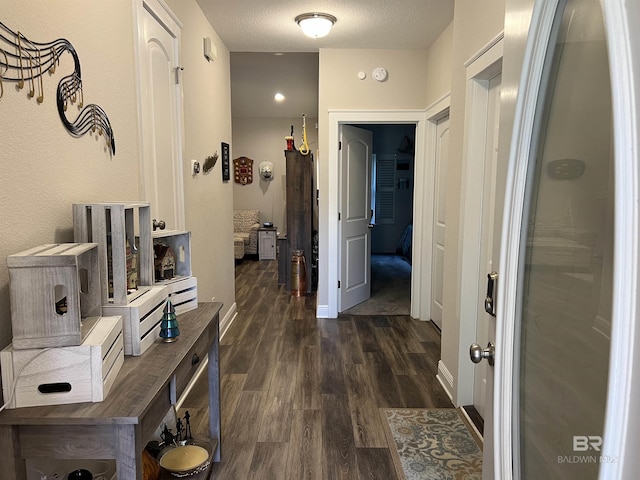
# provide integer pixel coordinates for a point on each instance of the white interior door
(437, 271)
(160, 90)
(355, 215)
(564, 352)
(485, 328)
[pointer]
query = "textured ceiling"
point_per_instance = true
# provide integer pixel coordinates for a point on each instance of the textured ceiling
(253, 30)
(268, 25)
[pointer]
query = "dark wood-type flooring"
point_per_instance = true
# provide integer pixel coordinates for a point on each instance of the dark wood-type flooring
(301, 395)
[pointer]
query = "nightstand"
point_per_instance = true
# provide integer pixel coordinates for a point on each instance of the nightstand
(267, 243)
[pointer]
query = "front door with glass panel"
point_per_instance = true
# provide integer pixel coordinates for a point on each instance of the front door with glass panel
(562, 337)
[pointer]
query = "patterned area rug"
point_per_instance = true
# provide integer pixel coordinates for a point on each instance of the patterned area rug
(432, 444)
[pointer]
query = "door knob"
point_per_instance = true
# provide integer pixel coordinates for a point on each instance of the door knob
(371, 225)
(158, 224)
(477, 353)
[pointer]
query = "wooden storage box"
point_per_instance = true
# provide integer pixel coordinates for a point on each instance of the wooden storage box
(141, 319)
(53, 376)
(179, 242)
(183, 293)
(181, 286)
(118, 229)
(52, 289)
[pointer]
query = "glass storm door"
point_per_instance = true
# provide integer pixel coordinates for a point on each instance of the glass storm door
(562, 335)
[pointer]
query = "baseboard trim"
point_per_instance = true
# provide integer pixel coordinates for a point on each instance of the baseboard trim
(322, 311)
(445, 378)
(474, 420)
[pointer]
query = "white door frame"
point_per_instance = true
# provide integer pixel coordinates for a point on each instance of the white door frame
(622, 419)
(435, 113)
(486, 64)
(420, 256)
(160, 10)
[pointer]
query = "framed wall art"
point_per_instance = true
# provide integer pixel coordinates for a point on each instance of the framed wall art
(226, 172)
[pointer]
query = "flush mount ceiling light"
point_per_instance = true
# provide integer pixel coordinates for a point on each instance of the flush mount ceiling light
(315, 25)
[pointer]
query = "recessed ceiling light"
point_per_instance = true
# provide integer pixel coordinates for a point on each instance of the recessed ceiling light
(278, 97)
(315, 25)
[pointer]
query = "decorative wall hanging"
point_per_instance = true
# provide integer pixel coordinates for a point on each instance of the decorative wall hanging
(243, 170)
(266, 171)
(304, 147)
(210, 162)
(226, 174)
(24, 61)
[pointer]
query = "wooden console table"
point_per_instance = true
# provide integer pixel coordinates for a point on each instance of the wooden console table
(120, 426)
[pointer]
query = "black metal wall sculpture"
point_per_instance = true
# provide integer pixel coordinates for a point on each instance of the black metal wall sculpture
(25, 62)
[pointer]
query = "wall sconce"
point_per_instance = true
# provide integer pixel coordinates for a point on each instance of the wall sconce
(316, 25)
(210, 50)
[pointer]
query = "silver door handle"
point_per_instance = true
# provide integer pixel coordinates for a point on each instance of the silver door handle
(477, 353)
(158, 224)
(371, 225)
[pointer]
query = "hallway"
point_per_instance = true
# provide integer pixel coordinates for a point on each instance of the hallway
(300, 395)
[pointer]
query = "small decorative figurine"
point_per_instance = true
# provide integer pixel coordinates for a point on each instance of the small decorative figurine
(167, 437)
(169, 330)
(187, 427)
(179, 431)
(164, 262)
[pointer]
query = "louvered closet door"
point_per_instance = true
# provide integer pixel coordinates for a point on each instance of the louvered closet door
(385, 201)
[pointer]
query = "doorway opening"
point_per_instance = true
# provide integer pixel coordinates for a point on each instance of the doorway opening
(392, 192)
(422, 207)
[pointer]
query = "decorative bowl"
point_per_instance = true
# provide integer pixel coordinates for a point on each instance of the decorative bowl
(186, 458)
(267, 224)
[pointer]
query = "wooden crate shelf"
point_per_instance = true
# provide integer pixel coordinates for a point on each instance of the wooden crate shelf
(183, 292)
(179, 241)
(182, 287)
(141, 319)
(114, 226)
(56, 376)
(54, 289)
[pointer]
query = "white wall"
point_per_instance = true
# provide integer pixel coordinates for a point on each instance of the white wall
(474, 26)
(45, 170)
(262, 139)
(207, 114)
(340, 88)
(439, 57)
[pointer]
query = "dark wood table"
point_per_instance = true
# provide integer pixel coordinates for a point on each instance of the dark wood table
(120, 426)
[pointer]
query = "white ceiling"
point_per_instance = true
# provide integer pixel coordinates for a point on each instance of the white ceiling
(253, 30)
(256, 77)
